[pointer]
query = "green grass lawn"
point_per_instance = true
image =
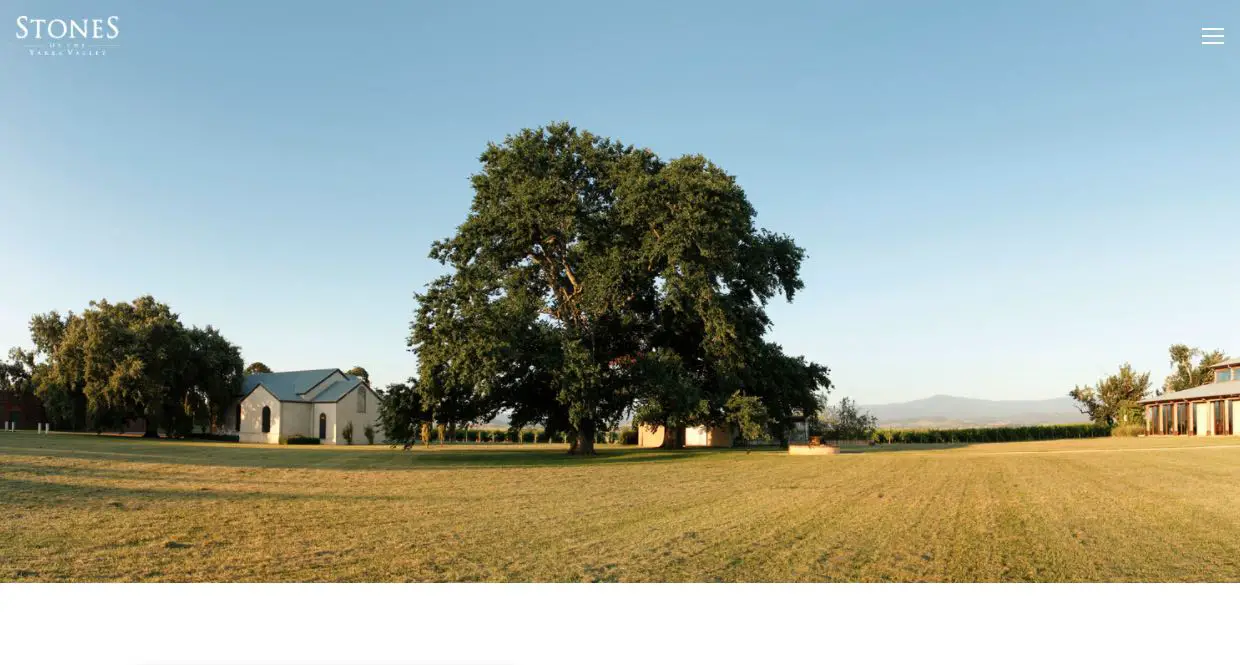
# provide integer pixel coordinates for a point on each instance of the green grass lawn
(100, 509)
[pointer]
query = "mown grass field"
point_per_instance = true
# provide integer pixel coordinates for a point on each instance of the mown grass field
(85, 508)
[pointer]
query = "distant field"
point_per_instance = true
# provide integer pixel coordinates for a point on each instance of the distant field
(87, 508)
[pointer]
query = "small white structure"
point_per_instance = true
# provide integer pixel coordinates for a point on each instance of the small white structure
(716, 437)
(317, 403)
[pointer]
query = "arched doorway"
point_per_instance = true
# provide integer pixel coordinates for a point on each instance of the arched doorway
(322, 426)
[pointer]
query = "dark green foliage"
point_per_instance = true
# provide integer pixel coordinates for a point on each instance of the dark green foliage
(628, 436)
(369, 432)
(401, 414)
(128, 360)
(590, 278)
(347, 433)
(16, 374)
(295, 440)
(992, 434)
(231, 438)
(257, 368)
(528, 436)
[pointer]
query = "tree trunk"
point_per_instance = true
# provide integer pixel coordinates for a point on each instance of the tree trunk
(673, 438)
(585, 441)
(152, 430)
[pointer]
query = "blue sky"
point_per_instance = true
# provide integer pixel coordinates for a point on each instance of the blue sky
(998, 199)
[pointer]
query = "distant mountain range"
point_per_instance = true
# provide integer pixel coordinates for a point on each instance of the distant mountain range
(948, 411)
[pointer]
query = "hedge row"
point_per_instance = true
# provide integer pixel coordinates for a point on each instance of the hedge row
(231, 438)
(991, 434)
(296, 440)
(626, 435)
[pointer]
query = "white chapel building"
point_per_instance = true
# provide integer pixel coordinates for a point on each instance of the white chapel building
(316, 402)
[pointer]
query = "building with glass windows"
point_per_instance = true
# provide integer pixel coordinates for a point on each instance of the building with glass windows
(1208, 410)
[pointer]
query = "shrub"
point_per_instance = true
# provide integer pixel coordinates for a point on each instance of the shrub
(347, 433)
(628, 436)
(298, 440)
(528, 436)
(1128, 430)
(845, 421)
(485, 436)
(369, 432)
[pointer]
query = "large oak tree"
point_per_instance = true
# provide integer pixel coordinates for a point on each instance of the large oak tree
(591, 279)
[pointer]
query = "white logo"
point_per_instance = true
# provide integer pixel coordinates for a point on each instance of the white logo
(67, 36)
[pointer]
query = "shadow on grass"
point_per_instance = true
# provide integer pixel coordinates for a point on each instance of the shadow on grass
(17, 492)
(376, 457)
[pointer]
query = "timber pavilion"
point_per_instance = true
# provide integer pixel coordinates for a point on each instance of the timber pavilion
(1208, 410)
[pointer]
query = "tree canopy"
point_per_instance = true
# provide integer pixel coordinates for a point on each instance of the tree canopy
(1186, 374)
(129, 360)
(844, 421)
(1113, 401)
(361, 373)
(592, 279)
(16, 374)
(257, 368)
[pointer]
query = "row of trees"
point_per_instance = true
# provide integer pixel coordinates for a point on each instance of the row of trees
(593, 279)
(116, 362)
(1114, 400)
